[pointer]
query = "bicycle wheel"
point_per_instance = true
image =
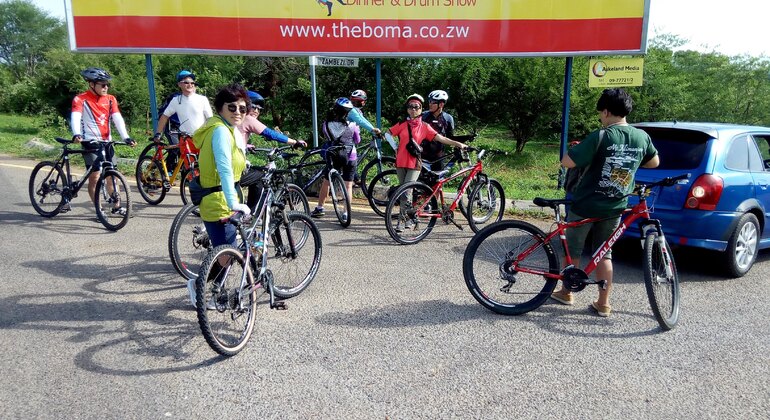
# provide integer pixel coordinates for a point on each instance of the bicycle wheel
(491, 252)
(295, 254)
(149, 180)
(661, 281)
(188, 241)
(486, 202)
(309, 165)
(371, 170)
(380, 189)
(185, 176)
(340, 199)
(411, 213)
(112, 200)
(45, 188)
(225, 300)
(297, 199)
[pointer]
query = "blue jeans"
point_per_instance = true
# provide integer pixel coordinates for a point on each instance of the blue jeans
(221, 233)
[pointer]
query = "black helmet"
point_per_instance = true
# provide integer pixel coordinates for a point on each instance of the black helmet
(95, 74)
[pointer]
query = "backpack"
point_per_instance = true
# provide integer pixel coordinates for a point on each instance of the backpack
(574, 175)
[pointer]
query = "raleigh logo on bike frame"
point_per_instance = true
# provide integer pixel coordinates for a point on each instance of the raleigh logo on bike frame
(609, 244)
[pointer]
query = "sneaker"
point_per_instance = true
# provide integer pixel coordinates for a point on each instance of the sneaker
(345, 216)
(565, 298)
(122, 211)
(601, 310)
(66, 207)
(191, 291)
(212, 303)
(318, 212)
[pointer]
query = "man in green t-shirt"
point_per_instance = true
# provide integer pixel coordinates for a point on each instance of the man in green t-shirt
(612, 156)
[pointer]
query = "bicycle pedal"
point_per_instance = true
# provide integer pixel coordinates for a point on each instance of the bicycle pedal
(166, 185)
(279, 305)
(602, 284)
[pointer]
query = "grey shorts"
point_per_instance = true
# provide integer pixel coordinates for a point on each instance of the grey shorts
(90, 158)
(600, 231)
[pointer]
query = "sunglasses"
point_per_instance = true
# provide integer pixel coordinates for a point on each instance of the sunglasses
(257, 107)
(414, 107)
(102, 84)
(189, 83)
(235, 108)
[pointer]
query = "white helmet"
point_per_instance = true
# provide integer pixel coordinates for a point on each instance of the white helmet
(438, 95)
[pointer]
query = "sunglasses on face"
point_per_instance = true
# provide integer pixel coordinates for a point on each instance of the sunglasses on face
(189, 83)
(102, 84)
(235, 108)
(256, 107)
(414, 107)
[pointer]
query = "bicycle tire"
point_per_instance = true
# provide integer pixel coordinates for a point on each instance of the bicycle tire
(340, 199)
(297, 199)
(380, 189)
(386, 163)
(661, 282)
(496, 245)
(121, 195)
(406, 218)
(294, 263)
(487, 200)
(188, 241)
(149, 180)
(308, 166)
(221, 301)
(46, 185)
(184, 186)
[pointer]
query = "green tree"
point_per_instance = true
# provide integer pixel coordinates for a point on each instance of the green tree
(26, 33)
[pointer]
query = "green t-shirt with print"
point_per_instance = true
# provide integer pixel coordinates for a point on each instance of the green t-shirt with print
(602, 191)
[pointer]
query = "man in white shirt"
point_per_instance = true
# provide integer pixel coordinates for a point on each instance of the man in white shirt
(191, 109)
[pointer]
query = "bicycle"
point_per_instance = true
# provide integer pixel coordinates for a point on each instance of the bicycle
(414, 207)
(51, 187)
(229, 277)
(511, 267)
(301, 174)
(152, 179)
(188, 241)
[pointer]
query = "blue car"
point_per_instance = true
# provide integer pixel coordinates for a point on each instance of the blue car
(725, 205)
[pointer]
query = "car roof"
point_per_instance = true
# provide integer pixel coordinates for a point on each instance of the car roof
(715, 130)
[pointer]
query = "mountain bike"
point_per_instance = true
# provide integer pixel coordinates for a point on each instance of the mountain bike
(279, 253)
(511, 267)
(188, 241)
(414, 207)
(51, 187)
(152, 176)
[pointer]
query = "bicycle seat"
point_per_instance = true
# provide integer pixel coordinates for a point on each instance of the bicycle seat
(552, 203)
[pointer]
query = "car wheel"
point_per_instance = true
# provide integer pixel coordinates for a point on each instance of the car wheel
(742, 247)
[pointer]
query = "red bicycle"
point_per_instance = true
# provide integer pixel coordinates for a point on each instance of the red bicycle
(414, 206)
(152, 174)
(512, 267)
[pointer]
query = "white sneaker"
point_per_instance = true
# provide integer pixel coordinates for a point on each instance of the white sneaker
(191, 290)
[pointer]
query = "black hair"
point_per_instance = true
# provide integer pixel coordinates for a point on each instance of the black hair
(230, 93)
(616, 101)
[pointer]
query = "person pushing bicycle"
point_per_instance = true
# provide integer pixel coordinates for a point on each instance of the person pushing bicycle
(612, 156)
(92, 111)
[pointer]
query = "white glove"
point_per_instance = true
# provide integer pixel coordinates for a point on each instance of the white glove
(242, 208)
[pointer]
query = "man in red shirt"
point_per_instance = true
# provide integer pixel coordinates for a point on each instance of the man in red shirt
(90, 121)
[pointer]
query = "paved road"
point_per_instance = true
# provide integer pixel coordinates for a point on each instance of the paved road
(97, 324)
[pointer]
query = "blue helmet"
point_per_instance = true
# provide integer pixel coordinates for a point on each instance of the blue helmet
(184, 74)
(343, 104)
(256, 99)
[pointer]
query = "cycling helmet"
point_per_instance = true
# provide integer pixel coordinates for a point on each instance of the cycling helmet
(438, 95)
(415, 96)
(95, 74)
(256, 99)
(343, 104)
(184, 74)
(358, 94)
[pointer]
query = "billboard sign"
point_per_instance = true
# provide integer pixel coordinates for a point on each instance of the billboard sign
(615, 72)
(374, 28)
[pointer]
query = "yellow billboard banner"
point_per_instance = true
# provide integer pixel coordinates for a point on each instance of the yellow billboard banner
(615, 72)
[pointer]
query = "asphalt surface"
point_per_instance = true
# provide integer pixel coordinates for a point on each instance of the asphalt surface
(98, 325)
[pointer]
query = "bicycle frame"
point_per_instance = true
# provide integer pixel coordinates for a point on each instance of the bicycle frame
(189, 160)
(639, 211)
(98, 165)
(438, 189)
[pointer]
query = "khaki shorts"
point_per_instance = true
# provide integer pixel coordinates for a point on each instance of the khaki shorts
(600, 232)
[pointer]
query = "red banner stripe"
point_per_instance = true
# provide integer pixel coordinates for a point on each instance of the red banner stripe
(369, 37)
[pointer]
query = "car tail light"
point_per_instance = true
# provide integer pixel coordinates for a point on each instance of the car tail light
(705, 192)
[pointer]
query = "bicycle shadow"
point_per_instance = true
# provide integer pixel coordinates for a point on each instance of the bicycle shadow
(70, 223)
(135, 317)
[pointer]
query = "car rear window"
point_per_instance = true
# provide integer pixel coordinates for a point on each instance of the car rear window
(677, 148)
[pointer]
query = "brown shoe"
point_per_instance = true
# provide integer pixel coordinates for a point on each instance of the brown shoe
(601, 310)
(563, 297)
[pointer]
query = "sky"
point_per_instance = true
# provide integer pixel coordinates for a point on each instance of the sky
(732, 27)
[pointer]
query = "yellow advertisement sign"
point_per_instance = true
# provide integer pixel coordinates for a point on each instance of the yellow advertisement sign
(615, 72)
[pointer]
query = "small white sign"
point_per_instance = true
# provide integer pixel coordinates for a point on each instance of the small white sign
(334, 61)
